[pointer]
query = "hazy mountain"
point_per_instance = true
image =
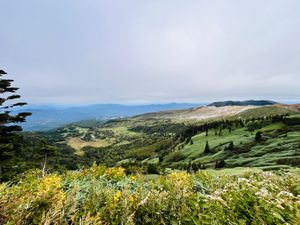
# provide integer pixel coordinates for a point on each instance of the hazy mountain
(243, 103)
(45, 117)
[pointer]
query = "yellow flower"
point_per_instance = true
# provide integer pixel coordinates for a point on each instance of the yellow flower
(115, 173)
(50, 188)
(131, 198)
(117, 196)
(132, 178)
(180, 179)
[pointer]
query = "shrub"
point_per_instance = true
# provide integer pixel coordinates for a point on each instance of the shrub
(152, 169)
(175, 156)
(101, 195)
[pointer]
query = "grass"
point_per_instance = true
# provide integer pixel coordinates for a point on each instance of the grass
(100, 195)
(264, 111)
(215, 141)
(273, 126)
(78, 144)
(280, 147)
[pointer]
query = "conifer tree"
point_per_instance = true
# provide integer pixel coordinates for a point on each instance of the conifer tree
(231, 146)
(207, 148)
(258, 136)
(219, 164)
(9, 120)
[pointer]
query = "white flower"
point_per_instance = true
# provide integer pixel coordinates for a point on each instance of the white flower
(242, 179)
(285, 194)
(263, 192)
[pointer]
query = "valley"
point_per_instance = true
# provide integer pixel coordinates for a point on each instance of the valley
(178, 138)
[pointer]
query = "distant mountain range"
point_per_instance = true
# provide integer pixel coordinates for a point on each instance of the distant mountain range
(244, 103)
(45, 117)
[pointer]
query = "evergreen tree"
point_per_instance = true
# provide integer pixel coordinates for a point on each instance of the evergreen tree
(187, 140)
(231, 146)
(258, 136)
(207, 148)
(9, 139)
(7, 120)
(220, 164)
(221, 131)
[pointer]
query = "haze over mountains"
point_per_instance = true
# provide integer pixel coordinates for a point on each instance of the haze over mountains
(45, 117)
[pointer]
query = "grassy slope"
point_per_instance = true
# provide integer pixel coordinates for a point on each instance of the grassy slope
(267, 110)
(123, 134)
(279, 148)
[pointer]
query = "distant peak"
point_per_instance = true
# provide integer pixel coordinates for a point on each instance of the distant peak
(243, 103)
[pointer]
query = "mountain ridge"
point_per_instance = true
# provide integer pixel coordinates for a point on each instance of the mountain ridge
(243, 103)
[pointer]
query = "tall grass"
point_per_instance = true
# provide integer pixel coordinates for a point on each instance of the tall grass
(101, 195)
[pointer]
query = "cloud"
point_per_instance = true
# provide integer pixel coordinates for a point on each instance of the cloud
(151, 51)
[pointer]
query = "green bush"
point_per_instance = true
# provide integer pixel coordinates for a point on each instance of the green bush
(175, 156)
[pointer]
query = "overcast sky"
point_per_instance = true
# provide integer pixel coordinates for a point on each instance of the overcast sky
(142, 51)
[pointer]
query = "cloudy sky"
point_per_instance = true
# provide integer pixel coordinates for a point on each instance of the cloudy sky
(142, 51)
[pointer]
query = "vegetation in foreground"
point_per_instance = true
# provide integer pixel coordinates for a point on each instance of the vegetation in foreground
(101, 195)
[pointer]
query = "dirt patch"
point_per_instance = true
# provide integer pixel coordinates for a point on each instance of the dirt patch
(207, 112)
(78, 143)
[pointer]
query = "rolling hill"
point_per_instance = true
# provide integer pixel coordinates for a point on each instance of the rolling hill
(177, 138)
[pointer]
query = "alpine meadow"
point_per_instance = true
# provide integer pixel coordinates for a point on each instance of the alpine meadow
(149, 112)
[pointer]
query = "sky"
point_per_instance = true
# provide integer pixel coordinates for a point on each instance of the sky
(151, 51)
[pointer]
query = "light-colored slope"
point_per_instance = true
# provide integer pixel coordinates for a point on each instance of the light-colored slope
(200, 113)
(208, 112)
(211, 112)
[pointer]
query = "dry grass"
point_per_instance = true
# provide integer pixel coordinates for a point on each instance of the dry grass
(208, 112)
(78, 143)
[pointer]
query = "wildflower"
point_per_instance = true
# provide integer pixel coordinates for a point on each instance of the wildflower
(242, 179)
(263, 192)
(180, 179)
(115, 173)
(285, 194)
(117, 196)
(132, 178)
(131, 198)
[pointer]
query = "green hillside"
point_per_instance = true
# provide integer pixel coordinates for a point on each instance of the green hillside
(154, 143)
(280, 145)
(164, 140)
